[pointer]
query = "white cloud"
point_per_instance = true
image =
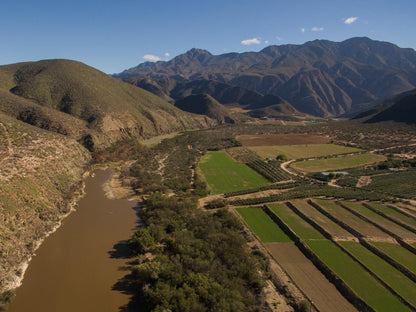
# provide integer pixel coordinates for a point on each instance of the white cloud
(167, 54)
(317, 28)
(151, 58)
(303, 30)
(266, 41)
(280, 38)
(251, 41)
(350, 20)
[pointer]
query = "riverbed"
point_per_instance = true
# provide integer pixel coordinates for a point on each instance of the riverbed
(80, 267)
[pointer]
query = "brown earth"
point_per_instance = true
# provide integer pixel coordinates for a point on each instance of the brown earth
(281, 139)
(308, 278)
(363, 181)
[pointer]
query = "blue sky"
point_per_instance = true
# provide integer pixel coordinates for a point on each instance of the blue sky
(115, 35)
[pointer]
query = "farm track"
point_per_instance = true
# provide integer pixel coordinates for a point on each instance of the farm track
(307, 277)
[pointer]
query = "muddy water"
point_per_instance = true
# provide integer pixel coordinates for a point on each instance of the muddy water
(78, 267)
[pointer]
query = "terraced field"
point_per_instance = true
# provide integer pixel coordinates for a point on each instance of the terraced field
(300, 269)
(317, 243)
(334, 229)
(370, 276)
(299, 226)
(380, 220)
(399, 254)
(262, 225)
(395, 214)
(356, 223)
(308, 278)
(368, 288)
(387, 273)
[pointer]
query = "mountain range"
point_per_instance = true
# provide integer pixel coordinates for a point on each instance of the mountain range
(321, 77)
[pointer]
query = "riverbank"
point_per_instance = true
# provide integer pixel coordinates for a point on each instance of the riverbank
(40, 174)
(88, 247)
(14, 279)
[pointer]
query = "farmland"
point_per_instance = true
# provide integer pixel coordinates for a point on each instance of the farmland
(302, 228)
(356, 223)
(378, 219)
(324, 248)
(395, 214)
(281, 139)
(294, 262)
(356, 277)
(350, 241)
(224, 175)
(262, 225)
(398, 253)
(334, 229)
(390, 275)
(303, 150)
(309, 278)
(400, 183)
(382, 289)
(338, 163)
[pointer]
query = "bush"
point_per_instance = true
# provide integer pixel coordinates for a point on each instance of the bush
(141, 242)
(216, 203)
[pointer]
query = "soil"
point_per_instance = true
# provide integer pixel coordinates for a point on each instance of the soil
(308, 278)
(363, 181)
(205, 200)
(281, 139)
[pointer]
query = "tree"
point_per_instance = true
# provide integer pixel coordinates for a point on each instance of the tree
(282, 157)
(141, 242)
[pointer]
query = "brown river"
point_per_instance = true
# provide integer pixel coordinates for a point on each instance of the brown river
(80, 266)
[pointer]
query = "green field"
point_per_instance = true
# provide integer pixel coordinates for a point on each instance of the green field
(302, 151)
(380, 220)
(388, 211)
(398, 253)
(363, 284)
(262, 225)
(353, 221)
(338, 163)
(313, 214)
(224, 175)
(399, 183)
(303, 229)
(390, 275)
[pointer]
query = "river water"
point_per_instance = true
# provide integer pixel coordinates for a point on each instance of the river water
(79, 267)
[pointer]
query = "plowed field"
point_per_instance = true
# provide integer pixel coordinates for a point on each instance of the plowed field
(308, 278)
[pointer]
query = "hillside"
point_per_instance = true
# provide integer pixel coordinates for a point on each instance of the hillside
(320, 77)
(399, 108)
(40, 171)
(253, 103)
(72, 98)
(204, 104)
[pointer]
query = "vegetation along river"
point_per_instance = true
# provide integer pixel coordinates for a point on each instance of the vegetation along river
(79, 266)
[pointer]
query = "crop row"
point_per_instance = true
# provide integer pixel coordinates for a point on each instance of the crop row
(281, 186)
(339, 265)
(313, 190)
(270, 172)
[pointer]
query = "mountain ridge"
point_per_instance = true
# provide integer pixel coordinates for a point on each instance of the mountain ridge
(319, 77)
